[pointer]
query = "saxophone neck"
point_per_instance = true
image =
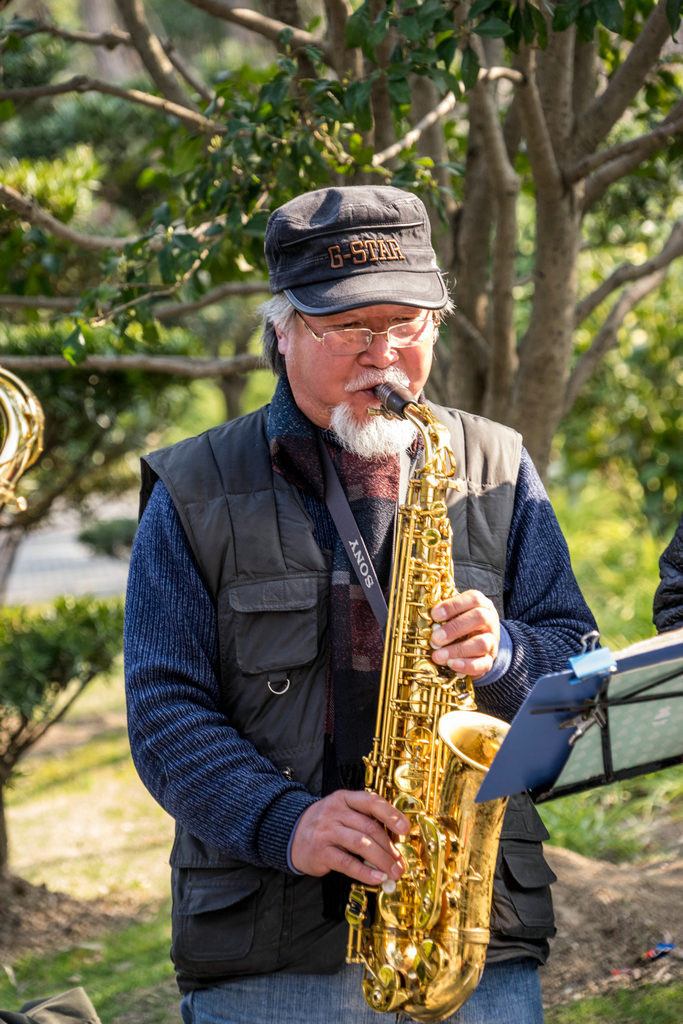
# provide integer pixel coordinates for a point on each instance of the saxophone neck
(398, 403)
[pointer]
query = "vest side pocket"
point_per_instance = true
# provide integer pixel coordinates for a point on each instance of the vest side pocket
(525, 908)
(223, 920)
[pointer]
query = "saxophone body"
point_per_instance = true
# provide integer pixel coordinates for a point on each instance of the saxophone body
(21, 439)
(423, 939)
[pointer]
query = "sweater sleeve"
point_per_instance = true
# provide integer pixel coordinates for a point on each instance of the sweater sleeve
(667, 607)
(201, 771)
(545, 612)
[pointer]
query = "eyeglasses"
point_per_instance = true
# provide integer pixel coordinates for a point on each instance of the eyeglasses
(348, 341)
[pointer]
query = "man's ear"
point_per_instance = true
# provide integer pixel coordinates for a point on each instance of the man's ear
(282, 340)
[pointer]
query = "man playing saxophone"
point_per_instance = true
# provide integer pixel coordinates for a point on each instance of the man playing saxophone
(254, 631)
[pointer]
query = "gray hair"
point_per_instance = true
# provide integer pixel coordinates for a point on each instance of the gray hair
(279, 310)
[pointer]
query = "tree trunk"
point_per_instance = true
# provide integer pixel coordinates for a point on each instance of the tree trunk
(545, 350)
(11, 537)
(4, 841)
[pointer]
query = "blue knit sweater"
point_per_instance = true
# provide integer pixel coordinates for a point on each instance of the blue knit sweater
(196, 765)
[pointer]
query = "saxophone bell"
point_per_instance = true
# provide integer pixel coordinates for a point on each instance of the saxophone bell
(21, 435)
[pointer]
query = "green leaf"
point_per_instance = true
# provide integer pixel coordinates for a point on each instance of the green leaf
(410, 27)
(6, 110)
(150, 333)
(357, 27)
(610, 13)
(73, 348)
(162, 214)
(585, 24)
(480, 6)
(674, 8)
(540, 26)
(399, 90)
(256, 226)
(494, 28)
(565, 15)
(470, 68)
(446, 47)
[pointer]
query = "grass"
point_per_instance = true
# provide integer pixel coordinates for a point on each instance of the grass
(113, 838)
(621, 822)
(650, 1005)
(126, 974)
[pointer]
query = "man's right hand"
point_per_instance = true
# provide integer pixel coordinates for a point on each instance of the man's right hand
(346, 832)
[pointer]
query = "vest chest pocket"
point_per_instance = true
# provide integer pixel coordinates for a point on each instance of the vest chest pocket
(275, 623)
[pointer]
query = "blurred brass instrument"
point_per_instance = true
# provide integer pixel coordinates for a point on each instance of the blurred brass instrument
(423, 939)
(22, 423)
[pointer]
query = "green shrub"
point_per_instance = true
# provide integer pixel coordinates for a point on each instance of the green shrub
(113, 537)
(47, 658)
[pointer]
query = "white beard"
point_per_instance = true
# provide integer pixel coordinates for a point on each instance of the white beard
(374, 437)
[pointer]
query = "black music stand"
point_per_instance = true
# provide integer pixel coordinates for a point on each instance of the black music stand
(609, 716)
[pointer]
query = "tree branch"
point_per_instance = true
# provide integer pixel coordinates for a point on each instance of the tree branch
(151, 52)
(545, 169)
(181, 67)
(166, 311)
(61, 304)
(193, 367)
(505, 181)
(671, 250)
(28, 209)
(269, 28)
(411, 137)
(81, 83)
(345, 61)
(110, 40)
(605, 111)
(480, 346)
(606, 338)
(622, 164)
(640, 147)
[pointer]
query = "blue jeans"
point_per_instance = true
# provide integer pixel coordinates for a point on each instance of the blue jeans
(508, 993)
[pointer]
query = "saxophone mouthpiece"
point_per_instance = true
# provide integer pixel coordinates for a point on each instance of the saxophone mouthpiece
(394, 398)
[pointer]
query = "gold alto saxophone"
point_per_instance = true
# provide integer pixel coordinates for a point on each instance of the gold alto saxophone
(21, 442)
(423, 939)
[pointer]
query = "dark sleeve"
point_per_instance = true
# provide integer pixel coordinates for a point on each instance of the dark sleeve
(193, 762)
(667, 608)
(545, 613)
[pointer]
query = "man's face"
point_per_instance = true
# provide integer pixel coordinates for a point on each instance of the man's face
(321, 380)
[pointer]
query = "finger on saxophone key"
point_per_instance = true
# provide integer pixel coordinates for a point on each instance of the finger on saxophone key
(387, 884)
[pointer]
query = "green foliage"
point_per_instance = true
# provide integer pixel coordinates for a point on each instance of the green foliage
(44, 653)
(113, 537)
(613, 553)
(627, 423)
(617, 822)
(95, 423)
(652, 1004)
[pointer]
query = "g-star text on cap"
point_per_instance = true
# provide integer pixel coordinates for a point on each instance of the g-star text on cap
(366, 250)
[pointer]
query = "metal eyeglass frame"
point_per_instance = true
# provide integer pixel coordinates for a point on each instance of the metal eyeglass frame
(431, 319)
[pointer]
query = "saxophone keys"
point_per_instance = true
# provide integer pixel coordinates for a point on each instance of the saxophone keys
(384, 991)
(429, 961)
(356, 906)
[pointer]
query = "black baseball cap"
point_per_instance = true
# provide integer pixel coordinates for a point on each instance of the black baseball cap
(339, 248)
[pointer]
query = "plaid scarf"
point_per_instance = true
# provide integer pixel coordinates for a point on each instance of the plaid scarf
(356, 641)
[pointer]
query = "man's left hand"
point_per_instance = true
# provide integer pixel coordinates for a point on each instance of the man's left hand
(466, 634)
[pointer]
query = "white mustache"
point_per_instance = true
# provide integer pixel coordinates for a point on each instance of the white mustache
(371, 378)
